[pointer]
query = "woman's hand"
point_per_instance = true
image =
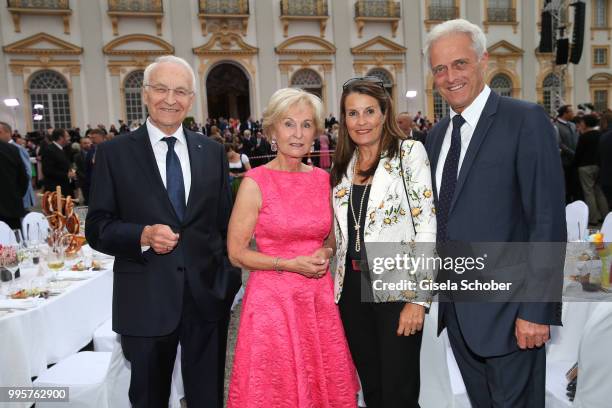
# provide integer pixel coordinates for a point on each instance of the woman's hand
(309, 266)
(411, 319)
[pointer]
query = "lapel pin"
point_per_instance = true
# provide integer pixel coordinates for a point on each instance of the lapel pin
(199, 146)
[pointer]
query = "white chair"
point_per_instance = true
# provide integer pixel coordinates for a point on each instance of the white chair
(595, 359)
(606, 228)
(577, 218)
(34, 226)
(104, 340)
(85, 375)
(6, 234)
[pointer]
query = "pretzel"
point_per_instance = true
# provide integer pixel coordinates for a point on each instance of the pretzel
(73, 224)
(56, 221)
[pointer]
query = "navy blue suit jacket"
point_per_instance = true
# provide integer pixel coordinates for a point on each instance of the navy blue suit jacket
(127, 193)
(509, 189)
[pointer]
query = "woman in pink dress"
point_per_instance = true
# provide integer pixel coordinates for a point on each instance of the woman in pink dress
(291, 349)
(325, 161)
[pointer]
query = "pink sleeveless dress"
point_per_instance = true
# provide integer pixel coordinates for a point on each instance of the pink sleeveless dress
(291, 349)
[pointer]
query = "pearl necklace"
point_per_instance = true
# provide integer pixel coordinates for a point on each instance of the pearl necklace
(357, 219)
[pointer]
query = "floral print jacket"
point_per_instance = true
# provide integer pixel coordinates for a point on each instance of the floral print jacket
(389, 221)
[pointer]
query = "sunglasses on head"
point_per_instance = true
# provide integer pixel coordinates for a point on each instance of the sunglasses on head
(373, 79)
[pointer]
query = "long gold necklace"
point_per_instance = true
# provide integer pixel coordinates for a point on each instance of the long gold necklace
(357, 219)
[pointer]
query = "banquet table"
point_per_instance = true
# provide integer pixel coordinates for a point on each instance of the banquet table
(54, 328)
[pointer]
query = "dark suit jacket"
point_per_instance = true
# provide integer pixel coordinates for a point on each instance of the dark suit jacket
(605, 158)
(55, 167)
(127, 193)
(14, 182)
(509, 189)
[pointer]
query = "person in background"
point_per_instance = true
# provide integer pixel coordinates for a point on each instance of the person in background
(15, 180)
(605, 156)
(408, 127)
(587, 161)
(56, 165)
(568, 139)
(238, 166)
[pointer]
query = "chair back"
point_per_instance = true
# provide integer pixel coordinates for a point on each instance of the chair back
(606, 228)
(7, 236)
(34, 226)
(595, 359)
(577, 218)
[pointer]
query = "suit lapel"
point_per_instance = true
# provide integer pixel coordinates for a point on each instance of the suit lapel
(486, 118)
(142, 152)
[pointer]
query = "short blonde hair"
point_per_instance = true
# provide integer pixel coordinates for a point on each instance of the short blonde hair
(286, 98)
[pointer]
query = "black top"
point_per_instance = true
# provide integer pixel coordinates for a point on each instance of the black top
(587, 150)
(358, 192)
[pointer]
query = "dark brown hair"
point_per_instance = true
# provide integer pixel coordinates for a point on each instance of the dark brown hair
(391, 133)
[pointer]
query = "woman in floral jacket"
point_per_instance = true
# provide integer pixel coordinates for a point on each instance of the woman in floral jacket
(384, 215)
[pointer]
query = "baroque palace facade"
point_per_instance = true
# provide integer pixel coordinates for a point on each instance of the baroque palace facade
(77, 62)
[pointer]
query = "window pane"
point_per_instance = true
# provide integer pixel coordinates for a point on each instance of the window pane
(50, 89)
(601, 100)
(601, 10)
(441, 108)
(502, 85)
(135, 110)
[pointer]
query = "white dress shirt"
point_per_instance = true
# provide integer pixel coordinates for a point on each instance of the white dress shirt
(160, 149)
(471, 114)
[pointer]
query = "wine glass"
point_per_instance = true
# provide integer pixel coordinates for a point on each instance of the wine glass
(9, 260)
(34, 238)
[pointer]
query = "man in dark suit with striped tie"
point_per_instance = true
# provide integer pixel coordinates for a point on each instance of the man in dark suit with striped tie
(497, 178)
(160, 203)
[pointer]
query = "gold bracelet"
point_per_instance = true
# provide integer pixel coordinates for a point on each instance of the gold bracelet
(276, 261)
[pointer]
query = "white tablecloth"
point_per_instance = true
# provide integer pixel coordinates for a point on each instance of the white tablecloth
(58, 327)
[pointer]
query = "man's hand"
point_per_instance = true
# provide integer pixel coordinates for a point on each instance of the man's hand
(530, 335)
(411, 319)
(159, 237)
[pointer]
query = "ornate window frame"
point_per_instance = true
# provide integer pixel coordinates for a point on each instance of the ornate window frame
(393, 17)
(430, 22)
(601, 82)
(321, 17)
(606, 64)
(513, 23)
(63, 10)
(608, 26)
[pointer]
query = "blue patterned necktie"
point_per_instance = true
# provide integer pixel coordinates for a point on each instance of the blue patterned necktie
(174, 178)
(449, 179)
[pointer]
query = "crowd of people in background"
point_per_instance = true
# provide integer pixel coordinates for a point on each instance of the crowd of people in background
(585, 146)
(65, 157)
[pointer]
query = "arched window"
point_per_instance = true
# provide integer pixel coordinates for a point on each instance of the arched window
(552, 92)
(502, 84)
(134, 106)
(441, 108)
(49, 90)
(385, 77)
(308, 80)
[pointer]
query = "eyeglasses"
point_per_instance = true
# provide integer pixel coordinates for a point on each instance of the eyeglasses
(370, 78)
(162, 90)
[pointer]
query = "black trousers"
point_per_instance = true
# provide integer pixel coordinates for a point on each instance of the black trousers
(202, 361)
(515, 380)
(388, 364)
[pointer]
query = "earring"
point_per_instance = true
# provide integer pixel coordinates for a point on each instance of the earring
(312, 148)
(274, 146)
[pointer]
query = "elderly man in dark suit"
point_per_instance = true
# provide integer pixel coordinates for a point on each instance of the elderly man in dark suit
(160, 203)
(14, 183)
(497, 178)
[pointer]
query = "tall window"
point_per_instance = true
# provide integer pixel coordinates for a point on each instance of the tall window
(308, 80)
(385, 77)
(601, 13)
(552, 92)
(442, 10)
(600, 101)
(134, 106)
(500, 11)
(49, 89)
(501, 84)
(600, 56)
(441, 108)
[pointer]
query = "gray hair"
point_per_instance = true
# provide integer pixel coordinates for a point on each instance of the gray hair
(457, 26)
(169, 59)
(6, 127)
